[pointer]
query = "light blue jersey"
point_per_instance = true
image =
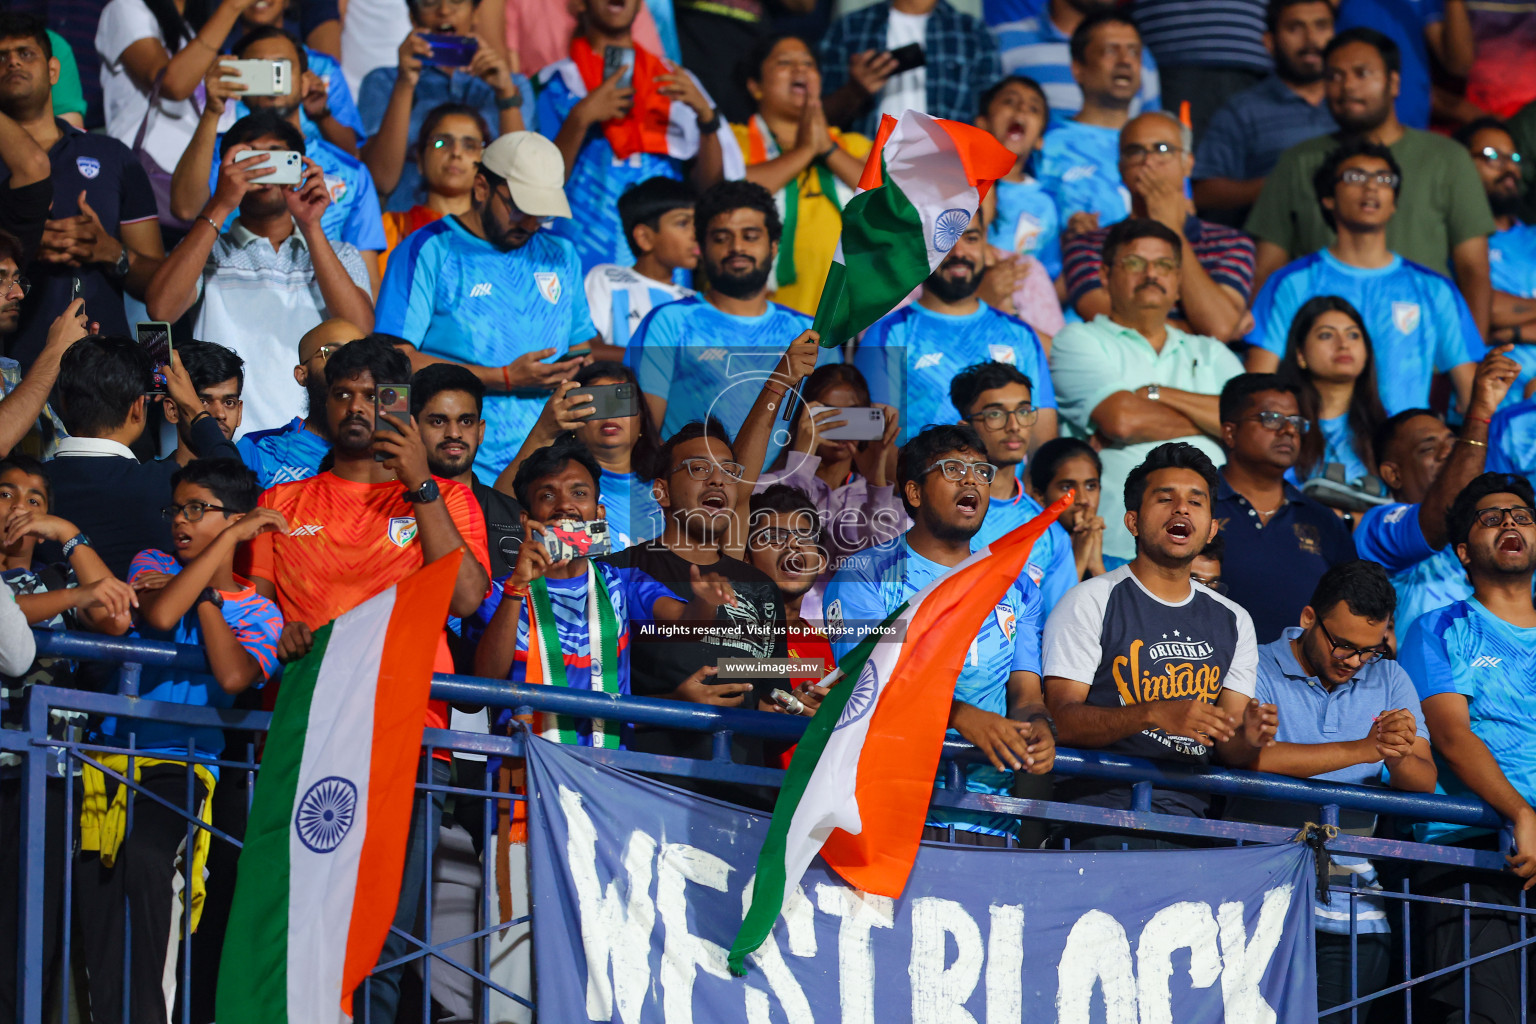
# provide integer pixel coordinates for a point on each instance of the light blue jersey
(1051, 565)
(453, 294)
(620, 297)
(1466, 649)
(1512, 269)
(1338, 446)
(1027, 222)
(633, 515)
(1418, 321)
(708, 363)
(873, 582)
(1425, 579)
(1512, 440)
(1080, 169)
(283, 455)
(910, 357)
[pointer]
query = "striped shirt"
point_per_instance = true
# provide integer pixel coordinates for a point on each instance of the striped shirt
(619, 298)
(1226, 254)
(1204, 33)
(1034, 46)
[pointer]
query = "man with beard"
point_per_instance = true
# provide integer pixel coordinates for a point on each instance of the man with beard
(489, 290)
(784, 540)
(271, 276)
(1446, 222)
(1038, 46)
(910, 356)
(1472, 663)
(676, 351)
(1132, 378)
(354, 532)
(943, 479)
(1279, 541)
(1115, 642)
(1512, 249)
(1246, 136)
(293, 451)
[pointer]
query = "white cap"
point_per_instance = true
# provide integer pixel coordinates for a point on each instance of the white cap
(534, 171)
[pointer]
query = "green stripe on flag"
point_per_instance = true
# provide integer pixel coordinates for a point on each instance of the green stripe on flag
(253, 971)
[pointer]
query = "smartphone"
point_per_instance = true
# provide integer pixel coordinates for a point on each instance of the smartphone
(289, 165)
(155, 338)
(75, 291)
(569, 538)
(611, 401)
(450, 51)
(860, 423)
(909, 57)
(390, 400)
(616, 57)
(263, 77)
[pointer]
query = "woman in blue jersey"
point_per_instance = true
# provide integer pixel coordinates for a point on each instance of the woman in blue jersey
(1328, 356)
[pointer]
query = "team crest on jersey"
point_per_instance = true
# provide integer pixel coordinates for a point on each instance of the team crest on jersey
(337, 187)
(1405, 316)
(88, 166)
(402, 530)
(1002, 354)
(549, 285)
(928, 359)
(1035, 573)
(1006, 620)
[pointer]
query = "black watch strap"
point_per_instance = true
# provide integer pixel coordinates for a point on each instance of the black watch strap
(427, 492)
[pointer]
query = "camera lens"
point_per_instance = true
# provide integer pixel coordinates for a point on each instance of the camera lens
(387, 396)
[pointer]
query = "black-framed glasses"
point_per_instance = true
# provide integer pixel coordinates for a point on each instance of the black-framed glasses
(1355, 176)
(701, 468)
(9, 281)
(467, 143)
(1139, 264)
(1346, 651)
(192, 510)
(779, 537)
(1490, 155)
(1271, 420)
(997, 419)
(1135, 152)
(1493, 518)
(513, 213)
(955, 470)
(1209, 582)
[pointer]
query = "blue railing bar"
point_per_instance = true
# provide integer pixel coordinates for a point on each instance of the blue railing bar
(96, 647)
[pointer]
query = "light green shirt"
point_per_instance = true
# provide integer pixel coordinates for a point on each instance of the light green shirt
(68, 97)
(1091, 361)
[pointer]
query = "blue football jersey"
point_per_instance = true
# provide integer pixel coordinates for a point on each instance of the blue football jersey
(1512, 439)
(1027, 222)
(1512, 269)
(1425, 579)
(633, 515)
(1080, 169)
(1051, 565)
(283, 455)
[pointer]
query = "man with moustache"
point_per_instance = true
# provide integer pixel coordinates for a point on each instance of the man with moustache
(1446, 222)
(1117, 646)
(491, 291)
(294, 451)
(1512, 249)
(1038, 45)
(1279, 541)
(943, 479)
(784, 540)
(910, 356)
(1131, 377)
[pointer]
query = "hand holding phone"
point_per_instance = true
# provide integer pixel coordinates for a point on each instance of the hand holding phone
(449, 51)
(571, 539)
(609, 401)
(391, 402)
(287, 166)
(908, 57)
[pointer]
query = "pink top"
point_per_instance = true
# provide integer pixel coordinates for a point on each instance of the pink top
(855, 515)
(539, 32)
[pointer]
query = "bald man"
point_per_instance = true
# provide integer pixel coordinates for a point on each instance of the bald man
(294, 451)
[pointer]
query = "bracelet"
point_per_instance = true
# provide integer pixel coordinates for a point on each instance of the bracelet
(517, 590)
(194, 420)
(506, 377)
(205, 44)
(823, 156)
(1041, 716)
(1468, 440)
(513, 102)
(75, 541)
(774, 388)
(211, 223)
(1479, 419)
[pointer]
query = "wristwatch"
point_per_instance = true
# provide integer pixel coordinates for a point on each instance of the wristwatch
(74, 542)
(512, 102)
(425, 494)
(212, 596)
(1154, 393)
(712, 125)
(121, 267)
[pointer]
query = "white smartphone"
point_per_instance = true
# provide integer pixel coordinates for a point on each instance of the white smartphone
(860, 423)
(289, 165)
(263, 77)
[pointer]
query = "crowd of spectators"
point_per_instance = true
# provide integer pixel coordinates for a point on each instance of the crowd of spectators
(514, 277)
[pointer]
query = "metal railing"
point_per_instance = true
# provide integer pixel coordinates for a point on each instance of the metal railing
(47, 759)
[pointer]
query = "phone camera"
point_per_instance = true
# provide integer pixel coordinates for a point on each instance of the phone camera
(387, 396)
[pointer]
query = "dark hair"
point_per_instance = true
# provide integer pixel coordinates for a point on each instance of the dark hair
(918, 454)
(549, 460)
(1325, 180)
(1361, 584)
(725, 196)
(1215, 549)
(830, 375)
(643, 454)
(10, 249)
(30, 466)
(786, 500)
(1237, 394)
(259, 124)
(375, 355)
(1391, 56)
(1463, 134)
(967, 385)
(1082, 35)
(1458, 521)
(648, 201)
(435, 378)
(100, 377)
(436, 116)
(984, 102)
(1387, 432)
(229, 481)
(750, 69)
(1129, 230)
(178, 27)
(209, 364)
(1171, 455)
(264, 32)
(1049, 457)
(1279, 7)
(1365, 410)
(710, 428)
(16, 25)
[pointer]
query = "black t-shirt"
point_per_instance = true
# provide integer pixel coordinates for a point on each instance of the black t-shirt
(503, 527)
(23, 211)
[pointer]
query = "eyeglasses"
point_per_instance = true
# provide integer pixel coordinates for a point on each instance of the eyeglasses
(1271, 420)
(466, 143)
(1492, 156)
(1139, 264)
(997, 419)
(9, 281)
(779, 537)
(513, 211)
(1209, 582)
(192, 511)
(324, 352)
(1345, 652)
(1135, 152)
(703, 469)
(1493, 518)
(1355, 176)
(955, 470)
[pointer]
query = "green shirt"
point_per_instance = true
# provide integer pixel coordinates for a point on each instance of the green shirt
(68, 98)
(1522, 128)
(1442, 202)
(1091, 361)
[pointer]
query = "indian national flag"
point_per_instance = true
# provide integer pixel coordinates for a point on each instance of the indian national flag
(923, 183)
(857, 790)
(320, 872)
